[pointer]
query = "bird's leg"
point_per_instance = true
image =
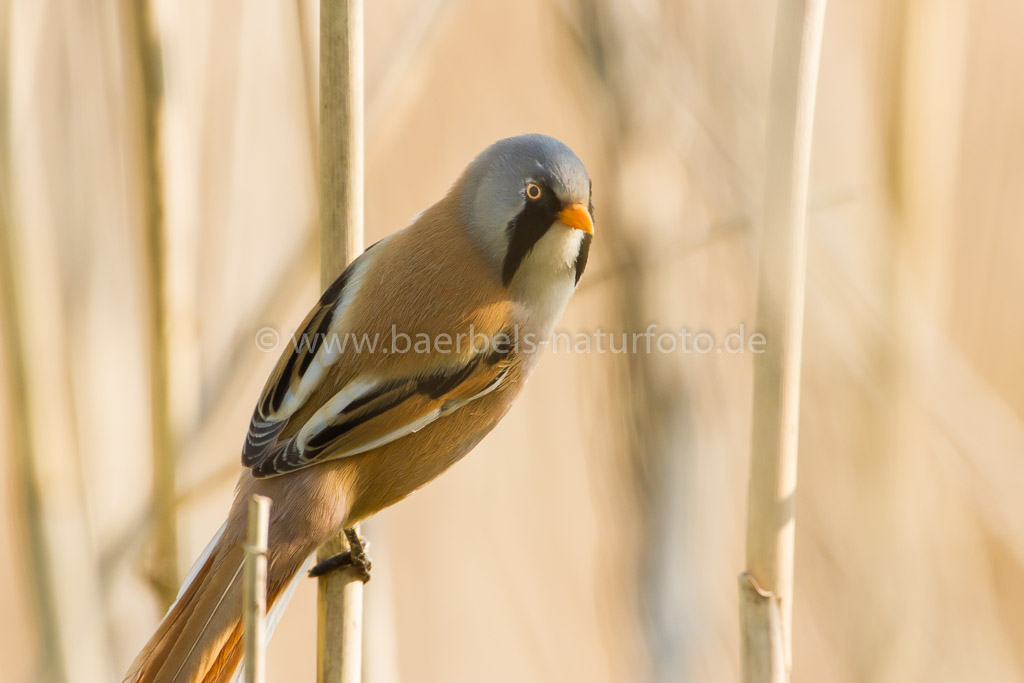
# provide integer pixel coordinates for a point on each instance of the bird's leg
(357, 553)
(354, 557)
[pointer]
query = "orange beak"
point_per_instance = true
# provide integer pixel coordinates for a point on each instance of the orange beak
(577, 216)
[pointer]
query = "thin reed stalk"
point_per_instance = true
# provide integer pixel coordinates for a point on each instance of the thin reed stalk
(766, 587)
(55, 540)
(25, 483)
(255, 589)
(165, 532)
(340, 598)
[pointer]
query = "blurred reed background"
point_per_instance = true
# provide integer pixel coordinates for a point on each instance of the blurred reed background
(157, 209)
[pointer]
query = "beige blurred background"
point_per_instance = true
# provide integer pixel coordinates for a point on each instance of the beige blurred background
(597, 533)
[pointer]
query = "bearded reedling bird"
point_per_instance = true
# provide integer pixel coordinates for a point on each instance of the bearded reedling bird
(339, 434)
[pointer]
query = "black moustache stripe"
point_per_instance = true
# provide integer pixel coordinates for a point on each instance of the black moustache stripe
(581, 257)
(526, 229)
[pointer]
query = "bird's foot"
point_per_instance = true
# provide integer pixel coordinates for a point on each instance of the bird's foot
(354, 557)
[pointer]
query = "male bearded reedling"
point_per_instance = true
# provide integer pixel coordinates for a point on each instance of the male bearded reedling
(339, 434)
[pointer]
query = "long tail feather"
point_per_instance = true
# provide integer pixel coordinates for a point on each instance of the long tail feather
(199, 640)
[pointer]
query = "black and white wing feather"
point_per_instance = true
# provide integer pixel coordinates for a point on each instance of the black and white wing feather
(372, 412)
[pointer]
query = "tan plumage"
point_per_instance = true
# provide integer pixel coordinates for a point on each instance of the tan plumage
(339, 435)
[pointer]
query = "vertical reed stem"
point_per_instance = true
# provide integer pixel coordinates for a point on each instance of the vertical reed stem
(766, 587)
(165, 533)
(340, 600)
(255, 589)
(26, 487)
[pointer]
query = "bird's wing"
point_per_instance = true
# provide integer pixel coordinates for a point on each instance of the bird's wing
(371, 412)
(298, 371)
(328, 399)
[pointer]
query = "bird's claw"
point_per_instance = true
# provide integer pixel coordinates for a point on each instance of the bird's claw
(354, 557)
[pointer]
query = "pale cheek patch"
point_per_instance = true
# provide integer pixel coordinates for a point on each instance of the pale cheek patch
(572, 247)
(558, 248)
(547, 278)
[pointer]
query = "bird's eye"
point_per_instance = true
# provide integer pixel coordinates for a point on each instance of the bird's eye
(533, 191)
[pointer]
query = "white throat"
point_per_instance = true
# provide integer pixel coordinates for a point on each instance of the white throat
(546, 279)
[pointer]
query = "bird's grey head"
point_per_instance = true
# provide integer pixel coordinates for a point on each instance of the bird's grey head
(526, 202)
